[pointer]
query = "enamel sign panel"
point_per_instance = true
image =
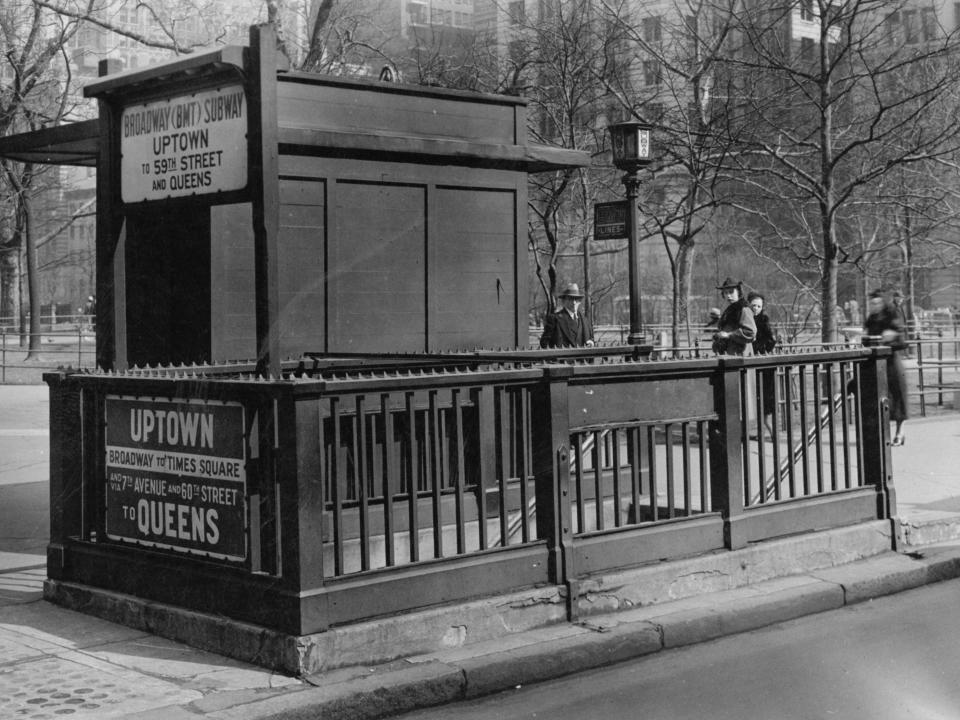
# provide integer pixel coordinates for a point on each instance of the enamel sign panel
(186, 145)
(176, 475)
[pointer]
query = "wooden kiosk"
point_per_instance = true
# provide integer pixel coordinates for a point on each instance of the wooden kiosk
(247, 211)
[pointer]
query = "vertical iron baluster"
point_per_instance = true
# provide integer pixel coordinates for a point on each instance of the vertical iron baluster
(652, 473)
(461, 472)
(748, 494)
(486, 418)
(705, 503)
(858, 425)
(671, 477)
(818, 426)
(526, 469)
(598, 478)
(435, 478)
(581, 505)
(832, 428)
(389, 464)
(633, 438)
(336, 488)
(788, 401)
(845, 419)
(687, 482)
(804, 429)
(744, 428)
(325, 495)
(412, 480)
(617, 517)
(360, 471)
(504, 435)
(776, 475)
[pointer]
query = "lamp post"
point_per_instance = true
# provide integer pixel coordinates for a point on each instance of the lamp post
(632, 150)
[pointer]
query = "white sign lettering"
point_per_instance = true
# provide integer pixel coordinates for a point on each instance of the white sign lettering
(186, 145)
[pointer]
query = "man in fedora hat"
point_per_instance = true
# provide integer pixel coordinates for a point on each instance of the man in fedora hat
(736, 328)
(567, 326)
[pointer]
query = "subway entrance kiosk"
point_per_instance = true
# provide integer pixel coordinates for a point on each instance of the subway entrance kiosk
(246, 211)
(249, 216)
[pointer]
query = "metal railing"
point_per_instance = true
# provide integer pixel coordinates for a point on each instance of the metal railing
(370, 493)
(62, 346)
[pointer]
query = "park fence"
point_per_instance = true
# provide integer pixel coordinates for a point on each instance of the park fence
(354, 488)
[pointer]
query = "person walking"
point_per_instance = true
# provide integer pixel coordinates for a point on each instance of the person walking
(884, 326)
(901, 314)
(764, 342)
(567, 326)
(736, 328)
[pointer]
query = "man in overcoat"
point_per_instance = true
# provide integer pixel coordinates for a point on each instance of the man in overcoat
(567, 326)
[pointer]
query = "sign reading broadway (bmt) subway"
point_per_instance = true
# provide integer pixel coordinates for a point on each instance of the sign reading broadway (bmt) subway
(176, 475)
(186, 145)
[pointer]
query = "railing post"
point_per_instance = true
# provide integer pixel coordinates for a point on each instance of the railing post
(551, 470)
(875, 411)
(66, 470)
(300, 476)
(726, 452)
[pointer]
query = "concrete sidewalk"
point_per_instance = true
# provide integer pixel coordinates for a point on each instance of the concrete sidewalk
(55, 662)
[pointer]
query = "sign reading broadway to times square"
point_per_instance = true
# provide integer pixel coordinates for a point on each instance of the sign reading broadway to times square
(176, 475)
(186, 145)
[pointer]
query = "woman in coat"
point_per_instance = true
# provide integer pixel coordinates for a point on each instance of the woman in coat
(764, 342)
(736, 328)
(884, 325)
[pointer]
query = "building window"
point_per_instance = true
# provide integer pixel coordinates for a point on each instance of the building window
(910, 34)
(806, 49)
(928, 23)
(806, 10)
(517, 12)
(892, 23)
(651, 72)
(418, 13)
(651, 29)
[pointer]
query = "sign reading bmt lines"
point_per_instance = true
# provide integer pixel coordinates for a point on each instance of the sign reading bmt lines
(176, 475)
(187, 145)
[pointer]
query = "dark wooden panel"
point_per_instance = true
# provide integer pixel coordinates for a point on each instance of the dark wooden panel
(168, 269)
(378, 268)
(473, 274)
(411, 587)
(357, 110)
(233, 328)
(302, 275)
(633, 546)
(180, 581)
(809, 514)
(661, 399)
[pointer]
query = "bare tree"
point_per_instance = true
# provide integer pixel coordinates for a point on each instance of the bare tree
(835, 99)
(664, 71)
(33, 45)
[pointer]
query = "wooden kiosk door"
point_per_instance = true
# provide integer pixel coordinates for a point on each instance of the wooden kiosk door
(168, 279)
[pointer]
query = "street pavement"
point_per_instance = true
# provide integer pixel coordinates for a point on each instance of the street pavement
(58, 663)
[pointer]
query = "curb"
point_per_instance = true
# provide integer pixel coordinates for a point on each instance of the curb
(550, 653)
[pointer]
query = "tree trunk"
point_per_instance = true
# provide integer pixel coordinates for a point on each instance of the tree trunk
(685, 257)
(828, 297)
(33, 281)
(10, 272)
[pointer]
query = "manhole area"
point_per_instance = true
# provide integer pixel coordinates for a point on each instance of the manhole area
(53, 689)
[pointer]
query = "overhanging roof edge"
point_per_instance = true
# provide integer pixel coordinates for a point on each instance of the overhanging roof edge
(226, 56)
(72, 144)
